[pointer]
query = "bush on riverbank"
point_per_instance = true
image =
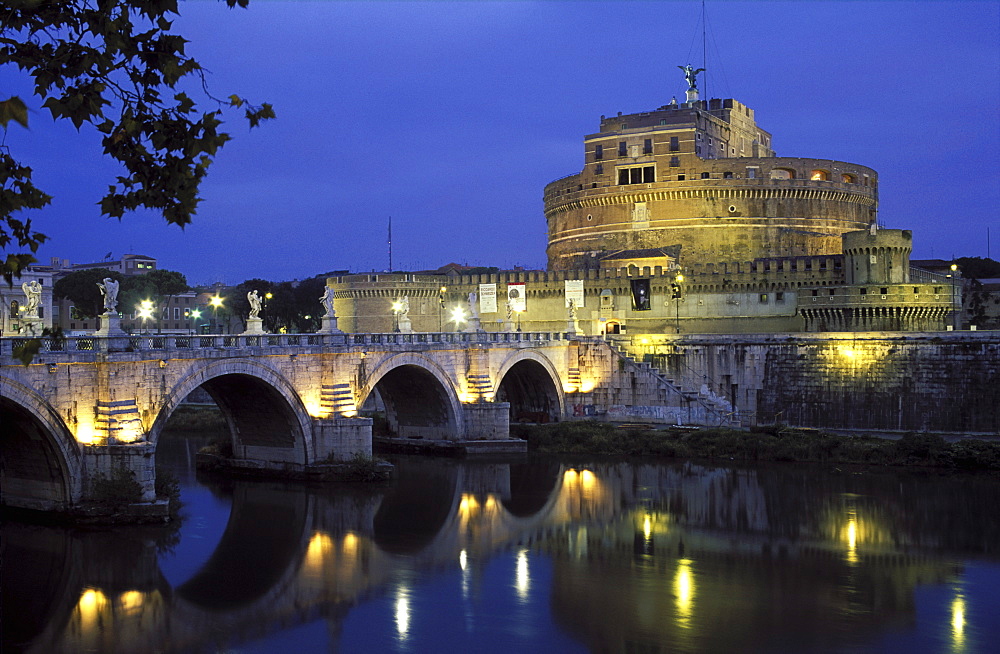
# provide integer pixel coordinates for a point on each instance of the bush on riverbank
(760, 444)
(196, 417)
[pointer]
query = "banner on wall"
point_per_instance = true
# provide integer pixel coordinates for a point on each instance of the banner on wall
(487, 298)
(517, 297)
(574, 291)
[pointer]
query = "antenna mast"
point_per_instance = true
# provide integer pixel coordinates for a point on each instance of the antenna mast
(390, 243)
(704, 49)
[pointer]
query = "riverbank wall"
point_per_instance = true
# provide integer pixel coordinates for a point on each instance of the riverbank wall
(942, 382)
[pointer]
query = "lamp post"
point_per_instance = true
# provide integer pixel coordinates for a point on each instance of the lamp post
(267, 296)
(676, 294)
(397, 306)
(145, 312)
(518, 312)
(458, 316)
(195, 316)
(216, 302)
(441, 308)
(956, 303)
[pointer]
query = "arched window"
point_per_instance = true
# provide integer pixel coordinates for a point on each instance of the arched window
(847, 178)
(782, 173)
(819, 175)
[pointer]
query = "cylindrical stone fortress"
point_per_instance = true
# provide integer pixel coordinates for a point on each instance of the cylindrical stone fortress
(680, 179)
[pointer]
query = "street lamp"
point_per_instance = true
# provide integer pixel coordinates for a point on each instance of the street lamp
(955, 300)
(676, 294)
(216, 302)
(267, 296)
(458, 316)
(441, 293)
(397, 306)
(195, 316)
(145, 312)
(518, 312)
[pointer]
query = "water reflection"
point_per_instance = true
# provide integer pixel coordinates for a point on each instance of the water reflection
(613, 557)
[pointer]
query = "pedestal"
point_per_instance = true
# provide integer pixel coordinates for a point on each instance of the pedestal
(32, 327)
(329, 326)
(474, 325)
(255, 326)
(405, 326)
(110, 325)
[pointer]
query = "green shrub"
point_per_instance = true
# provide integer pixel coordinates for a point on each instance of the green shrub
(117, 490)
(167, 487)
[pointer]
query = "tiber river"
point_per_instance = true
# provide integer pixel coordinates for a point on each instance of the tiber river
(529, 556)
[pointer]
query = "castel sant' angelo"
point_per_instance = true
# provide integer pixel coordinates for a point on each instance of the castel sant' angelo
(684, 220)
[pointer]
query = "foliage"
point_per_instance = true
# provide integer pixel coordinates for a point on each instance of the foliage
(118, 490)
(28, 350)
(978, 267)
(764, 444)
(81, 289)
(237, 301)
(168, 488)
(197, 418)
(115, 65)
(362, 467)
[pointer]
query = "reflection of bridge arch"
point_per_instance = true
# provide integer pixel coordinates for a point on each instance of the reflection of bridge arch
(40, 461)
(266, 533)
(416, 508)
(532, 487)
(420, 399)
(531, 384)
(260, 406)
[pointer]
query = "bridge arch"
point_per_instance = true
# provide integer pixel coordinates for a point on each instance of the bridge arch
(420, 398)
(41, 464)
(261, 407)
(530, 382)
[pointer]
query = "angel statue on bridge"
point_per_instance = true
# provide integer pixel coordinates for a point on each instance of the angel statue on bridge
(327, 301)
(254, 300)
(109, 289)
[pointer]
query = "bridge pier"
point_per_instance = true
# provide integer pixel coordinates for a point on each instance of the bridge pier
(339, 439)
(109, 460)
(486, 421)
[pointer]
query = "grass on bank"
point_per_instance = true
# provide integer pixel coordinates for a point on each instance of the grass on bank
(771, 443)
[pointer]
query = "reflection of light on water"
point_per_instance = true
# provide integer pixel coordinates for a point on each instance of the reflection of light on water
(850, 537)
(320, 546)
(647, 527)
(463, 558)
(402, 612)
(684, 592)
(91, 604)
(131, 600)
(958, 624)
(522, 579)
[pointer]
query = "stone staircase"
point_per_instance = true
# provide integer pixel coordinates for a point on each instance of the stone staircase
(721, 409)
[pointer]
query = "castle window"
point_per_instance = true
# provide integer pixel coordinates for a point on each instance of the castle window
(782, 173)
(624, 125)
(637, 175)
(779, 297)
(727, 175)
(863, 291)
(663, 121)
(699, 136)
(815, 292)
(751, 173)
(681, 178)
(600, 169)
(674, 162)
(675, 144)
(832, 292)
(623, 176)
(697, 149)
(706, 175)
(647, 146)
(916, 290)
(819, 176)
(884, 290)
(763, 298)
(622, 148)
(848, 179)
(598, 152)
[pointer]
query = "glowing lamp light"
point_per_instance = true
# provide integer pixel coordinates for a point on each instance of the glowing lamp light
(587, 385)
(216, 301)
(458, 315)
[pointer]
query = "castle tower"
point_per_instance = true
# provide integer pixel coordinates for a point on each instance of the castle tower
(877, 256)
(701, 181)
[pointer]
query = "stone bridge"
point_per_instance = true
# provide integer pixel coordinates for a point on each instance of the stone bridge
(86, 406)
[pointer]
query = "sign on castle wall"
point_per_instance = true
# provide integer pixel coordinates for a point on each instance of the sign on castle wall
(487, 298)
(574, 291)
(516, 297)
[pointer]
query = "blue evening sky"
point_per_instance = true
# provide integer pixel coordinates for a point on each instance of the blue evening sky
(452, 116)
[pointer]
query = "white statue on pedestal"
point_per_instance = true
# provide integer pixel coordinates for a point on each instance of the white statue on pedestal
(254, 300)
(109, 289)
(33, 296)
(327, 301)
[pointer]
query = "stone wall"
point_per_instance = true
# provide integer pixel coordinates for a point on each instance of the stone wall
(940, 382)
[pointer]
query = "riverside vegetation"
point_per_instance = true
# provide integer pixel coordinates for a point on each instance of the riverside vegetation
(770, 443)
